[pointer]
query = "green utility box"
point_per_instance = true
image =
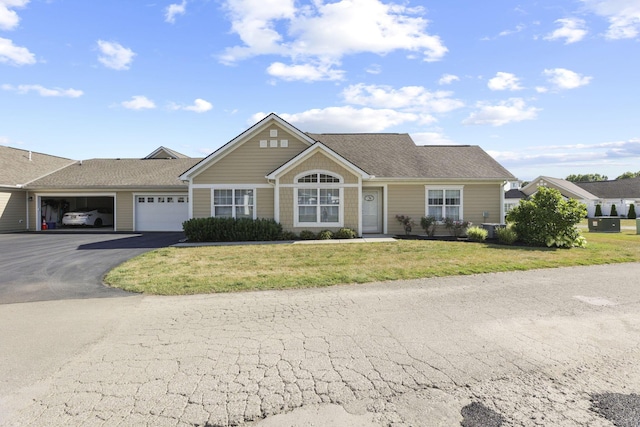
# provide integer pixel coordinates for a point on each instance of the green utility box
(604, 224)
(638, 226)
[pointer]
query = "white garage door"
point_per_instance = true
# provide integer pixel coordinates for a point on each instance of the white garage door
(164, 212)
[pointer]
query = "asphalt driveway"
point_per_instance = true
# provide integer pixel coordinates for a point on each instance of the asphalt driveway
(56, 266)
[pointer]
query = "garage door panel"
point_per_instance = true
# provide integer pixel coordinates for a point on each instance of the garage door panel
(164, 212)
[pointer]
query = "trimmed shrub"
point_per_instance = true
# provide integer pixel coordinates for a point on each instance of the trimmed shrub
(428, 224)
(546, 219)
(598, 210)
(614, 211)
(632, 211)
(231, 230)
(407, 223)
(345, 233)
(288, 235)
(506, 235)
(325, 235)
(477, 234)
(455, 227)
(307, 235)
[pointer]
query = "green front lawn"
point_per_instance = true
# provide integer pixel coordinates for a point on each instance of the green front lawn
(181, 271)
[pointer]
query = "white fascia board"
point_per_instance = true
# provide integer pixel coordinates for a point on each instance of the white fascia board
(239, 140)
(318, 146)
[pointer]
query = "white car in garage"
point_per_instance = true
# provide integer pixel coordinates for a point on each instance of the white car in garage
(96, 217)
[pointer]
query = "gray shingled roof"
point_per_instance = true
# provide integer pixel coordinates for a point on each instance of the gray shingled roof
(16, 169)
(618, 189)
(389, 155)
(119, 173)
(514, 193)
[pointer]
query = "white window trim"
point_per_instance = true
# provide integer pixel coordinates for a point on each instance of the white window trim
(233, 205)
(318, 185)
(443, 187)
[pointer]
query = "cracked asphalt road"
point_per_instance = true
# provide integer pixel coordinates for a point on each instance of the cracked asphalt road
(530, 347)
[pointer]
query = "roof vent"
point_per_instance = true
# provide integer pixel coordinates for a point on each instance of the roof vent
(30, 159)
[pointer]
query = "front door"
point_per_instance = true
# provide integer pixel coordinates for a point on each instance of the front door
(371, 211)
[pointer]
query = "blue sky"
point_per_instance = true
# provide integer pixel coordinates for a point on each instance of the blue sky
(546, 87)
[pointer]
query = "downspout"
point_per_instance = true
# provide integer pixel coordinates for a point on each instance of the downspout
(502, 212)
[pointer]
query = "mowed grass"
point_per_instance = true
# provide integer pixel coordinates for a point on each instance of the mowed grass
(193, 270)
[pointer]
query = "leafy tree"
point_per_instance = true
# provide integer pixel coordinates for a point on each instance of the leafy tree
(627, 175)
(632, 211)
(546, 219)
(590, 177)
(614, 211)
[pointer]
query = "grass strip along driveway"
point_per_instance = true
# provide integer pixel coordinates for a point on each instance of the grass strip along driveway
(192, 270)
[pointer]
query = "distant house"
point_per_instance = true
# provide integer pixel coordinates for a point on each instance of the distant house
(621, 193)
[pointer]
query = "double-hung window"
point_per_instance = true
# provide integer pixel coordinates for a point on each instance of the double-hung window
(318, 200)
(444, 202)
(233, 203)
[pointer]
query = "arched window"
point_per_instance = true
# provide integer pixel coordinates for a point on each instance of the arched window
(318, 200)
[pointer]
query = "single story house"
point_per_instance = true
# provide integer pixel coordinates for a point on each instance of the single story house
(144, 194)
(622, 193)
(305, 181)
(310, 181)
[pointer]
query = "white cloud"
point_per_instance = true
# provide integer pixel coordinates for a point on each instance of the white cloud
(323, 33)
(305, 72)
(504, 81)
(346, 119)
(199, 106)
(571, 30)
(15, 55)
(410, 98)
(447, 79)
(139, 103)
(511, 110)
(114, 55)
(561, 78)
(623, 16)
(9, 19)
(431, 138)
(174, 9)
(43, 91)
(374, 69)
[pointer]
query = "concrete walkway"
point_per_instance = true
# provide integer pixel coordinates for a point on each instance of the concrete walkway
(532, 348)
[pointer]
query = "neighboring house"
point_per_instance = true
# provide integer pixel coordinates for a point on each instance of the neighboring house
(18, 168)
(314, 182)
(568, 190)
(512, 199)
(620, 192)
(144, 194)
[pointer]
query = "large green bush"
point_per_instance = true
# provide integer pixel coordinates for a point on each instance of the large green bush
(598, 210)
(231, 230)
(632, 211)
(546, 219)
(506, 235)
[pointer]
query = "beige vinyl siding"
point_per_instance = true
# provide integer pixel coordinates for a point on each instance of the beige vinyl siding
(405, 199)
(410, 199)
(201, 202)
(264, 203)
(482, 198)
(248, 163)
(13, 210)
(124, 211)
(319, 161)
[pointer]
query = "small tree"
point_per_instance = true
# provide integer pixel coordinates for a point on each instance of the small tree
(455, 227)
(632, 211)
(548, 220)
(598, 210)
(614, 211)
(406, 222)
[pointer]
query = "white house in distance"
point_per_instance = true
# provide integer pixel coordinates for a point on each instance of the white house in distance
(622, 193)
